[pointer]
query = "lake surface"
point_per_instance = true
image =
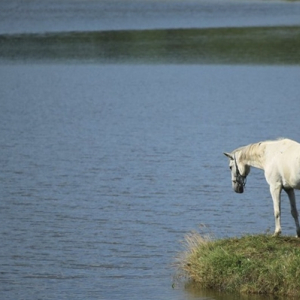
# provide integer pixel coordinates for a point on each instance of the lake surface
(105, 167)
(17, 16)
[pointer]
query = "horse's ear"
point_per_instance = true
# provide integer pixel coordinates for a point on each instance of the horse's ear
(229, 155)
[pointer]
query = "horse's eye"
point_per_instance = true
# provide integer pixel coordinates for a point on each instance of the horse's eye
(230, 167)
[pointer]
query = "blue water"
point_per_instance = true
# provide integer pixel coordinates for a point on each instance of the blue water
(17, 16)
(105, 168)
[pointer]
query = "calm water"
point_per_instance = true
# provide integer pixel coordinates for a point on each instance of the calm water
(76, 15)
(105, 168)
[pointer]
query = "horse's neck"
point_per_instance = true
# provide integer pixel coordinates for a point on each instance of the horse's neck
(253, 155)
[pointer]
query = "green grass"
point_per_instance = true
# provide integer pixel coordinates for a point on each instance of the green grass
(258, 264)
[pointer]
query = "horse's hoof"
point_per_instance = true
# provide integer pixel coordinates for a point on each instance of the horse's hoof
(276, 234)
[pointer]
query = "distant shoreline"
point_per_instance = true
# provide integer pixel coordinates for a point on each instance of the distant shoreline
(278, 45)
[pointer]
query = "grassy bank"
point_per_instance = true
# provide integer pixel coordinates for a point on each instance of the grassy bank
(260, 264)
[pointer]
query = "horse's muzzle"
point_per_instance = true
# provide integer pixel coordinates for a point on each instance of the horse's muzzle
(238, 188)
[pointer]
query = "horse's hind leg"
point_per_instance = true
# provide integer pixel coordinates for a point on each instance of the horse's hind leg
(294, 211)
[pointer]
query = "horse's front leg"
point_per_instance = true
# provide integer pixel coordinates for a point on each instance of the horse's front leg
(276, 196)
(294, 211)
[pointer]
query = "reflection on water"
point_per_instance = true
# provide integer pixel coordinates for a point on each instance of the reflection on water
(194, 293)
(256, 45)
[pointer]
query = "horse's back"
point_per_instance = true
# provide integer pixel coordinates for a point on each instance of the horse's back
(285, 147)
(283, 162)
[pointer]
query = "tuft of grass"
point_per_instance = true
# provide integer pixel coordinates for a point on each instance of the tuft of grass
(253, 264)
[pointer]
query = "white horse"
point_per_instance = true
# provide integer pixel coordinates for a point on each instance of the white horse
(280, 160)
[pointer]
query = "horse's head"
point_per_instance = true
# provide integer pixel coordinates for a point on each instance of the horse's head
(239, 172)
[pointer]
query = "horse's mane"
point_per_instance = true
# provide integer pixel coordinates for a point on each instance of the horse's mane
(252, 150)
